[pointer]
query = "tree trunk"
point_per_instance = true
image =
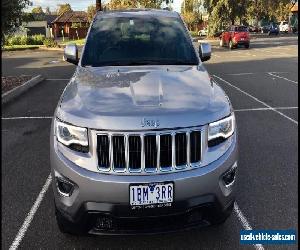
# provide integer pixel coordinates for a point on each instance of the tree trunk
(98, 5)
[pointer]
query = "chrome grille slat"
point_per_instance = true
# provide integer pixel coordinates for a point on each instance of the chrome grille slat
(153, 152)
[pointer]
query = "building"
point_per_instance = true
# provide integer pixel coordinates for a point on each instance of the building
(40, 24)
(72, 24)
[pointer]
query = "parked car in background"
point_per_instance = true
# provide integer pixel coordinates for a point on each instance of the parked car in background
(284, 26)
(235, 36)
(271, 29)
(202, 32)
(253, 28)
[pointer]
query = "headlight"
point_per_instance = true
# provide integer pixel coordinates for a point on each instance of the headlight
(220, 130)
(71, 136)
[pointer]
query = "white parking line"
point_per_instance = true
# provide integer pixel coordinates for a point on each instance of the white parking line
(245, 223)
(57, 79)
(30, 215)
(256, 99)
(26, 117)
(257, 109)
(272, 74)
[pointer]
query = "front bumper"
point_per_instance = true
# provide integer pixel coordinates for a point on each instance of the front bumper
(199, 194)
(241, 42)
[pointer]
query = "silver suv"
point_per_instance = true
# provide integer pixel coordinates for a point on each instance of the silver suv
(142, 139)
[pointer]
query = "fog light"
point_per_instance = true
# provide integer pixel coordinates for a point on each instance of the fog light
(229, 176)
(64, 187)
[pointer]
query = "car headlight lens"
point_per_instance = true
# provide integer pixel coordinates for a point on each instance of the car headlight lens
(71, 136)
(220, 130)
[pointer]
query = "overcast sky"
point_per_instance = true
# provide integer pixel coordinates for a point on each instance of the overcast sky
(81, 4)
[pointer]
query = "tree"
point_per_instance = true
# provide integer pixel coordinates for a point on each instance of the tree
(62, 8)
(47, 11)
(11, 13)
(37, 10)
(91, 11)
(124, 4)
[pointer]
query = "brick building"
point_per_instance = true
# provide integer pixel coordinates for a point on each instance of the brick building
(64, 25)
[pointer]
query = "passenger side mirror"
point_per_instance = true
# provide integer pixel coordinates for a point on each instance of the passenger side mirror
(204, 51)
(71, 54)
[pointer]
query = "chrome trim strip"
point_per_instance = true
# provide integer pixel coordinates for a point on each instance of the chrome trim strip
(109, 167)
(196, 164)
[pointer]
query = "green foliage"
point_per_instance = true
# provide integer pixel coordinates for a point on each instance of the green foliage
(50, 43)
(25, 40)
(91, 11)
(194, 33)
(225, 12)
(11, 16)
(123, 4)
(37, 10)
(62, 8)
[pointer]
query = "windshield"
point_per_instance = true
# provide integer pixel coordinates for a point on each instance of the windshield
(138, 41)
(241, 29)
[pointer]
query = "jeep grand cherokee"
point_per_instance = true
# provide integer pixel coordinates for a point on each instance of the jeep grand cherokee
(142, 139)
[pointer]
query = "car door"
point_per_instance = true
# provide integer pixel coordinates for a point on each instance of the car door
(226, 36)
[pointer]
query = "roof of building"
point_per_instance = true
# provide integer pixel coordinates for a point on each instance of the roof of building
(50, 18)
(71, 17)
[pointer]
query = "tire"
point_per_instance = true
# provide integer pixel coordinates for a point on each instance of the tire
(247, 45)
(269, 33)
(230, 45)
(221, 43)
(65, 226)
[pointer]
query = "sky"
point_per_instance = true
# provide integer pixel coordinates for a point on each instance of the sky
(81, 4)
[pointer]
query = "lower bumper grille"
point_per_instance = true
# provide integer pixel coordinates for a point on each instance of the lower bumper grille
(149, 152)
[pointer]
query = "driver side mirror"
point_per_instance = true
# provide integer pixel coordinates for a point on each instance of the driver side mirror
(204, 51)
(71, 54)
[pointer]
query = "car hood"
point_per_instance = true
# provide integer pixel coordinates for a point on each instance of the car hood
(122, 97)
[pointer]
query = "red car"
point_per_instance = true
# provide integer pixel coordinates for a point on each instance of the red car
(234, 36)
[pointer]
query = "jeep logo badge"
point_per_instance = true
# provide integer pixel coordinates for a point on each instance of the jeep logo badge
(150, 123)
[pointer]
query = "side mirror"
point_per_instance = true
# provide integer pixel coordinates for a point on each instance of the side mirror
(204, 51)
(71, 54)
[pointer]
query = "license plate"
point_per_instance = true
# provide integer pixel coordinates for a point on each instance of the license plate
(242, 39)
(151, 194)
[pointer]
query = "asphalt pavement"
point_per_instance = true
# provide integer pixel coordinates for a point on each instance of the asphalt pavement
(261, 82)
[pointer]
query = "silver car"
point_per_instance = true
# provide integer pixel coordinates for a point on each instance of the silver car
(142, 140)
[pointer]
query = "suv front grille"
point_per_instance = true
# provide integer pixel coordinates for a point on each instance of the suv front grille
(149, 152)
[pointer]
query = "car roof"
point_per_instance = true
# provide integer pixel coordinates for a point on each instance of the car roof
(136, 13)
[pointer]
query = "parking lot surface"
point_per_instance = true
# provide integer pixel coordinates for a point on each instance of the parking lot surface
(262, 84)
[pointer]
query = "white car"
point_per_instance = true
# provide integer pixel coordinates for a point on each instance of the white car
(284, 26)
(202, 32)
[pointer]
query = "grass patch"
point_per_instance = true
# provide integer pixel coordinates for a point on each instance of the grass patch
(77, 42)
(19, 47)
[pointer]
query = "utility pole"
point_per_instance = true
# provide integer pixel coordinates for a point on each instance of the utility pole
(98, 5)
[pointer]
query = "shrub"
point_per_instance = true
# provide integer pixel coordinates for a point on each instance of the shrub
(14, 40)
(38, 39)
(194, 33)
(23, 40)
(50, 42)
